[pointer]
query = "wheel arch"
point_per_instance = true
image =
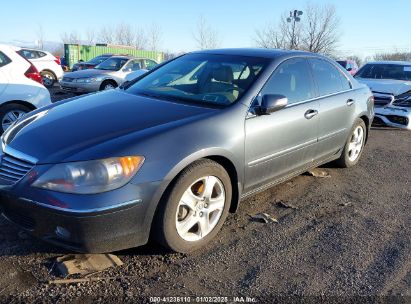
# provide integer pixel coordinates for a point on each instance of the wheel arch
(20, 102)
(50, 71)
(227, 162)
(367, 125)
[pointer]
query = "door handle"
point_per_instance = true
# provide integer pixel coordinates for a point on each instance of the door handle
(350, 102)
(310, 113)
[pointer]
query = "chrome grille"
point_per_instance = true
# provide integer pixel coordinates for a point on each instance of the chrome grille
(382, 99)
(13, 169)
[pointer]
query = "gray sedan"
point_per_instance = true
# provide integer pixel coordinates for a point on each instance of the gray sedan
(170, 155)
(107, 75)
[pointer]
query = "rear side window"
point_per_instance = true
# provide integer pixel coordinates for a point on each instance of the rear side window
(4, 60)
(149, 64)
(292, 79)
(328, 78)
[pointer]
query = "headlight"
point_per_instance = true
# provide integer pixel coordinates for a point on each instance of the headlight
(86, 80)
(90, 177)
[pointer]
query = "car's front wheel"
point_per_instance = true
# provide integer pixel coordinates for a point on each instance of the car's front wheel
(195, 208)
(108, 85)
(354, 145)
(10, 113)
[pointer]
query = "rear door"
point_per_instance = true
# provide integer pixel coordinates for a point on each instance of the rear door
(337, 106)
(284, 141)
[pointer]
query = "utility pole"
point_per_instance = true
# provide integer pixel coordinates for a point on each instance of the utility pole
(294, 18)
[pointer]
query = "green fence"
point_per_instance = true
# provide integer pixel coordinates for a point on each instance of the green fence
(74, 52)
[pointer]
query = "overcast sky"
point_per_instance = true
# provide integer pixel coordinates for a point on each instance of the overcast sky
(367, 26)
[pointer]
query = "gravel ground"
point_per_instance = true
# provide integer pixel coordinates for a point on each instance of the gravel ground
(348, 240)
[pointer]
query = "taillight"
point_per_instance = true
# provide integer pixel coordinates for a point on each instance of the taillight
(33, 74)
(58, 61)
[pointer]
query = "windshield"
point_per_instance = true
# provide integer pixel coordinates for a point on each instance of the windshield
(98, 59)
(112, 64)
(202, 78)
(385, 71)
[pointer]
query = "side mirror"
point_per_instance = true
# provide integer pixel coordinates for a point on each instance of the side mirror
(271, 103)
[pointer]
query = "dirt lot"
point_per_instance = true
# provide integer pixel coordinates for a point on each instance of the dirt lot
(349, 237)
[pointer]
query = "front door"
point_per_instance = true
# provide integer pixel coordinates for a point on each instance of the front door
(284, 141)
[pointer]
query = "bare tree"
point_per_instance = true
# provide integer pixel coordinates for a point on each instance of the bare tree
(90, 36)
(107, 35)
(205, 36)
(140, 39)
(72, 37)
(125, 34)
(316, 32)
(320, 32)
(40, 36)
(356, 58)
(393, 56)
(154, 37)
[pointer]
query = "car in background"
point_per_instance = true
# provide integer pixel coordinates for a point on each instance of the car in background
(350, 65)
(21, 88)
(169, 156)
(133, 75)
(107, 75)
(390, 82)
(48, 65)
(84, 65)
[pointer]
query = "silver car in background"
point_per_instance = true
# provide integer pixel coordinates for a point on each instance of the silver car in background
(390, 83)
(107, 75)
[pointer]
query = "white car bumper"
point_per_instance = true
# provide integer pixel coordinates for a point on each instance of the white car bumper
(393, 116)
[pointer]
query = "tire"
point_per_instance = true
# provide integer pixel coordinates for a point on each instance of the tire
(48, 79)
(347, 158)
(173, 214)
(108, 85)
(9, 113)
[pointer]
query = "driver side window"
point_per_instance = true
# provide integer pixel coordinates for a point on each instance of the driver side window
(292, 78)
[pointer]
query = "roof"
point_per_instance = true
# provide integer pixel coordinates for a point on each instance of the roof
(254, 52)
(391, 62)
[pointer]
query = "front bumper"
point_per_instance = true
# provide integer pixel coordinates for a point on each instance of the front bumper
(393, 116)
(80, 87)
(102, 229)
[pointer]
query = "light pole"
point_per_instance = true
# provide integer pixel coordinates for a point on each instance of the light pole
(294, 17)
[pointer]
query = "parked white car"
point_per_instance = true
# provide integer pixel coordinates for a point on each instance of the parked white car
(390, 82)
(47, 64)
(21, 88)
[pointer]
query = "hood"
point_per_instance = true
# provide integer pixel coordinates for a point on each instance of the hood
(86, 73)
(390, 86)
(67, 129)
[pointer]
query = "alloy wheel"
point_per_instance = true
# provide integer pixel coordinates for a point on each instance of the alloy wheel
(200, 208)
(11, 117)
(356, 143)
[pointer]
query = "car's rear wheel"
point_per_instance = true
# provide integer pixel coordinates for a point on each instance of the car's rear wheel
(48, 79)
(10, 113)
(354, 145)
(108, 85)
(195, 208)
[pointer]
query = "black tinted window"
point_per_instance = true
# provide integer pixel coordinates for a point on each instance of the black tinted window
(4, 59)
(385, 71)
(292, 79)
(328, 78)
(28, 54)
